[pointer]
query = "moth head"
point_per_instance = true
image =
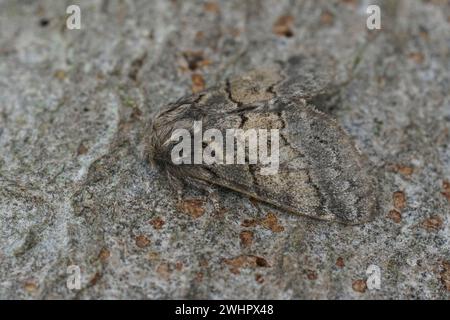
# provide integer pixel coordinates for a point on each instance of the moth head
(159, 133)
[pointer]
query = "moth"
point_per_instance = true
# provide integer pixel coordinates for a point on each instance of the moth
(320, 172)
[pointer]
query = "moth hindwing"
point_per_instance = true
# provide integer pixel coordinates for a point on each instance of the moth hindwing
(318, 172)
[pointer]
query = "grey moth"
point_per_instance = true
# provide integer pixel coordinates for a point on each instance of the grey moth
(320, 172)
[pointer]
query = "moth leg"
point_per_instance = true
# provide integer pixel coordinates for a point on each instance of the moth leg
(180, 195)
(257, 204)
(214, 197)
(186, 189)
(177, 186)
(209, 190)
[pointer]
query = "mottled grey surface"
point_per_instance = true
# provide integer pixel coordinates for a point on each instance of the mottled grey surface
(75, 188)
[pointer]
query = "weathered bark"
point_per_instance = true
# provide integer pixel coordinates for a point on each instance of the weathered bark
(75, 188)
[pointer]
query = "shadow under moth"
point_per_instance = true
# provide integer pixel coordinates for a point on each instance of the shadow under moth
(320, 172)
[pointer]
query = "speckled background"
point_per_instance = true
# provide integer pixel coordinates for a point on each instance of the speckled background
(75, 188)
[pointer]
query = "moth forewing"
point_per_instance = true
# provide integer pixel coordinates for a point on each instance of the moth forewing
(311, 166)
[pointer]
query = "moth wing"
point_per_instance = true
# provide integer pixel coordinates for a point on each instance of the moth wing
(321, 174)
(300, 76)
(308, 76)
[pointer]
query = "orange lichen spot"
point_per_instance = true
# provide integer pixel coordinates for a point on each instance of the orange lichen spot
(399, 200)
(445, 275)
(259, 278)
(395, 216)
(359, 286)
(212, 7)
(30, 286)
(404, 170)
(142, 241)
(163, 269)
(198, 83)
(417, 57)
(326, 18)
(311, 275)
(245, 261)
(283, 26)
(340, 262)
(271, 222)
(446, 189)
(104, 254)
(433, 223)
(157, 223)
(192, 207)
(246, 237)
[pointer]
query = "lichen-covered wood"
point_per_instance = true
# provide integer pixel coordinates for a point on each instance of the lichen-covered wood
(76, 187)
